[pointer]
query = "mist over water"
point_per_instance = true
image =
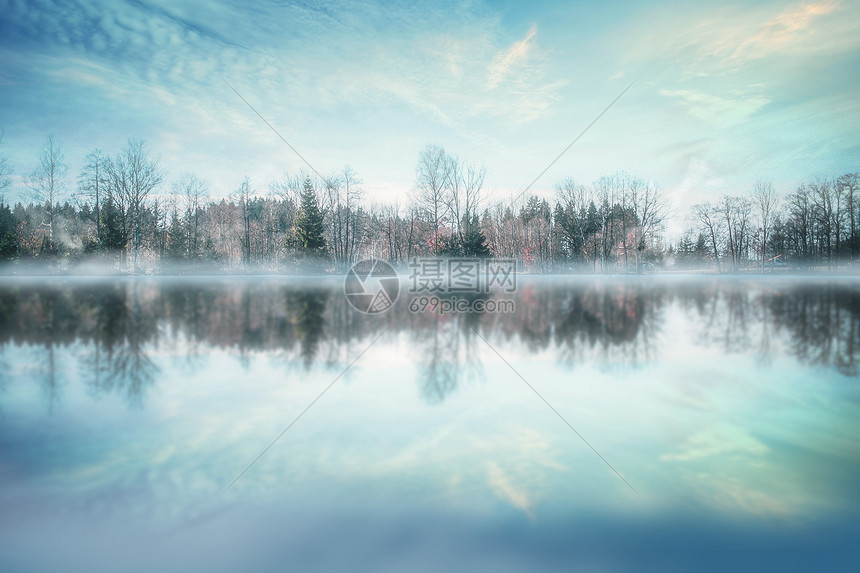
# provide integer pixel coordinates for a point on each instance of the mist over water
(128, 405)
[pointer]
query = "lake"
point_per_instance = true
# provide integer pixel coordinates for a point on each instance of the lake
(609, 423)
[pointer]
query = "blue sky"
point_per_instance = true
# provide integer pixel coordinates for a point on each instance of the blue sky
(724, 93)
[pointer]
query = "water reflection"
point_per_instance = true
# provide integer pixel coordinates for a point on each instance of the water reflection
(128, 405)
(114, 326)
(822, 325)
(307, 307)
(446, 356)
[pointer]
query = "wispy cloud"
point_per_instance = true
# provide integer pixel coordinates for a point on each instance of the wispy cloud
(733, 495)
(719, 439)
(709, 41)
(512, 59)
(719, 110)
(794, 26)
(503, 487)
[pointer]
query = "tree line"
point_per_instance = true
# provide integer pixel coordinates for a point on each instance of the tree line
(120, 209)
(816, 226)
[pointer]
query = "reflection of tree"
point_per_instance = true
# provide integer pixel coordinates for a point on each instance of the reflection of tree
(823, 324)
(50, 384)
(53, 314)
(725, 312)
(446, 347)
(4, 381)
(118, 361)
(7, 312)
(819, 323)
(307, 308)
(447, 356)
(112, 327)
(617, 321)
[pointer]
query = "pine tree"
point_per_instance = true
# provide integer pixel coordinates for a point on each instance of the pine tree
(8, 234)
(310, 226)
(474, 242)
(112, 236)
(177, 245)
(700, 251)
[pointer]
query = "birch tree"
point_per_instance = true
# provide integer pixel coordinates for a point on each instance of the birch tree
(432, 184)
(134, 175)
(766, 203)
(47, 182)
(5, 171)
(93, 183)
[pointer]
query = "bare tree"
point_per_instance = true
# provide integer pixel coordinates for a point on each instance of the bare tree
(800, 217)
(465, 183)
(244, 194)
(93, 182)
(473, 186)
(455, 194)
(342, 196)
(47, 182)
(432, 182)
(848, 186)
(766, 202)
(827, 213)
(134, 175)
(573, 200)
(5, 171)
(609, 191)
(191, 192)
(736, 211)
(649, 209)
(711, 224)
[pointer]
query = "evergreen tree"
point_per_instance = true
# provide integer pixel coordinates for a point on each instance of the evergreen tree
(593, 225)
(684, 251)
(449, 246)
(310, 226)
(532, 209)
(112, 236)
(700, 251)
(8, 234)
(474, 242)
(177, 245)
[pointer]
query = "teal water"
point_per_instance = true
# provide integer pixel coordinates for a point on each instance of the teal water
(729, 406)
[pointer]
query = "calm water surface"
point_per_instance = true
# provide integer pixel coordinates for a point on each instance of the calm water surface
(730, 406)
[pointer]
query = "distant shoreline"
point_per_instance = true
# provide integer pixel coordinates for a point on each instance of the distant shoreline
(6, 272)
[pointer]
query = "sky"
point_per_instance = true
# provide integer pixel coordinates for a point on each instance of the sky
(721, 94)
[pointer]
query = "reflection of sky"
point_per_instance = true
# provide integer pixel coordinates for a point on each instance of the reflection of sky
(723, 451)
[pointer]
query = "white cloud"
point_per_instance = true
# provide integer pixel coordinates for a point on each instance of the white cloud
(502, 486)
(719, 110)
(718, 440)
(512, 59)
(716, 40)
(732, 495)
(797, 27)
